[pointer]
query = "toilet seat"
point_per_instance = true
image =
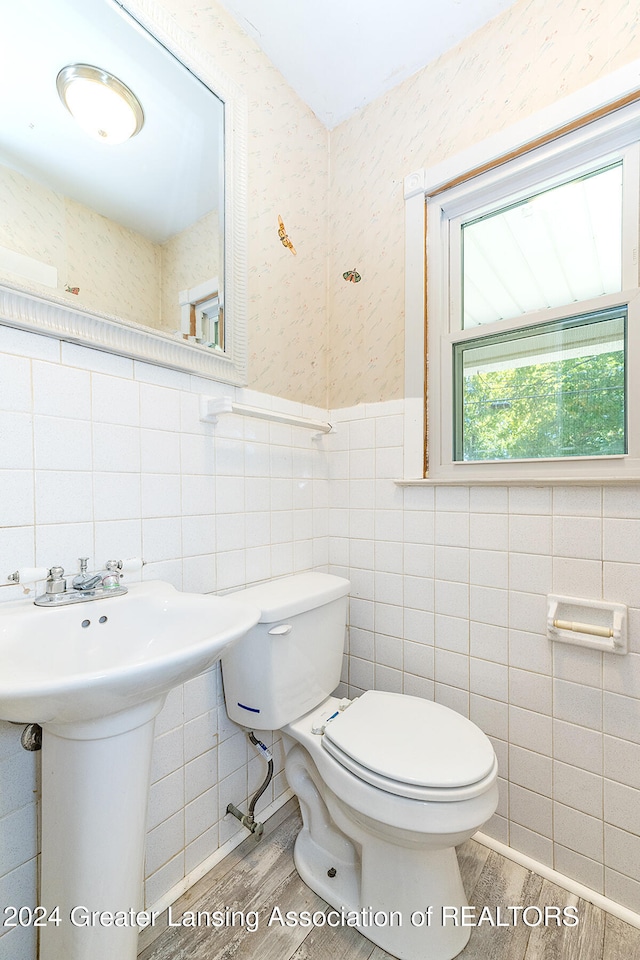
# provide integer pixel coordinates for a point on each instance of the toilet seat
(411, 747)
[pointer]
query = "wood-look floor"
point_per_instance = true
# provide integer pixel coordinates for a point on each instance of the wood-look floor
(259, 875)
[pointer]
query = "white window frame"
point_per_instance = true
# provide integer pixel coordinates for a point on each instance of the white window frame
(586, 148)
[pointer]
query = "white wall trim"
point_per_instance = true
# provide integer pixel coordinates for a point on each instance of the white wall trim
(597, 899)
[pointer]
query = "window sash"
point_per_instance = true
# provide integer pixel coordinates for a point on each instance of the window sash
(481, 199)
(585, 330)
(442, 381)
(558, 245)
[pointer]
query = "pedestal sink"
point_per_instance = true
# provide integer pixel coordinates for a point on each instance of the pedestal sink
(95, 675)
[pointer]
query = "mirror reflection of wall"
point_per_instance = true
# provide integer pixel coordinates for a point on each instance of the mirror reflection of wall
(119, 229)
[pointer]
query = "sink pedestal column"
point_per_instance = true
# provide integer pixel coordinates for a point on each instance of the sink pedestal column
(95, 788)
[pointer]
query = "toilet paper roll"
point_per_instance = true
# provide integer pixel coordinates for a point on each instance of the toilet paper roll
(131, 564)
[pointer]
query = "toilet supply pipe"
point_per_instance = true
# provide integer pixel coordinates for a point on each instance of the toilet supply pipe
(247, 819)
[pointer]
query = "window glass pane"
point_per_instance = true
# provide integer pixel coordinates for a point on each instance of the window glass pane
(552, 390)
(556, 247)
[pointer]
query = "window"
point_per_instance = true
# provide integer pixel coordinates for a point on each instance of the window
(534, 312)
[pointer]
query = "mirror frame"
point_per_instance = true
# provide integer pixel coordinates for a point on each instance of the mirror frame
(54, 316)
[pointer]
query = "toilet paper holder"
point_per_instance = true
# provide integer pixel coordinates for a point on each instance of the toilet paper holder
(597, 624)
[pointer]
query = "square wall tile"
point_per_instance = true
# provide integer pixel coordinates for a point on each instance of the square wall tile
(531, 843)
(17, 502)
(63, 496)
(530, 651)
(116, 447)
(58, 390)
(531, 770)
(17, 443)
(622, 761)
(489, 605)
(530, 573)
(489, 531)
(578, 831)
(488, 642)
(492, 716)
(583, 869)
(578, 746)
(622, 806)
(579, 537)
(15, 384)
(488, 568)
(489, 679)
(115, 401)
(577, 704)
(621, 889)
(532, 691)
(577, 578)
(622, 851)
(530, 730)
(577, 788)
(621, 540)
(531, 810)
(116, 496)
(530, 534)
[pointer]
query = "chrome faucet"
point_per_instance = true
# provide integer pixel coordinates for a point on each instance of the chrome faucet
(84, 580)
(84, 586)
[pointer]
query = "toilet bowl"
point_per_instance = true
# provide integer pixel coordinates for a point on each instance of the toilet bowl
(388, 784)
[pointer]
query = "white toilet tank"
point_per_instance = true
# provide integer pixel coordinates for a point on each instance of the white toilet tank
(291, 660)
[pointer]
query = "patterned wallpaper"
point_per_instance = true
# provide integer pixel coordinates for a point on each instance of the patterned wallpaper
(288, 176)
(523, 60)
(188, 259)
(116, 270)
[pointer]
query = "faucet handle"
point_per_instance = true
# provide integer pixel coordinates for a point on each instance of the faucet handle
(125, 566)
(56, 582)
(84, 563)
(28, 575)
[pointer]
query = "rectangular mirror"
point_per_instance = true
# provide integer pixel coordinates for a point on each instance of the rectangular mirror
(132, 240)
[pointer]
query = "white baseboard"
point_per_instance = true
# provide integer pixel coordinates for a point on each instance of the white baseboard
(598, 899)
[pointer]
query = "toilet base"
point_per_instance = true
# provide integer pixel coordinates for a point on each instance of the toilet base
(395, 885)
(406, 934)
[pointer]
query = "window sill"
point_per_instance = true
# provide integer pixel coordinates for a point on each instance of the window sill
(519, 482)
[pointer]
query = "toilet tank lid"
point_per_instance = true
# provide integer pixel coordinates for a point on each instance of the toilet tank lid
(288, 596)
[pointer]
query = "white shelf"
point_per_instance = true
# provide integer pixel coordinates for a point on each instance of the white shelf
(212, 407)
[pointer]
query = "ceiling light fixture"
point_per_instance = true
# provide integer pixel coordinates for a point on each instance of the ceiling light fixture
(104, 107)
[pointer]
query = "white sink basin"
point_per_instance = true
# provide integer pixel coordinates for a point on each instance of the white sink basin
(62, 665)
(95, 676)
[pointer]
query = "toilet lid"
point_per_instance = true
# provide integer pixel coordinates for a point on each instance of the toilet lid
(410, 741)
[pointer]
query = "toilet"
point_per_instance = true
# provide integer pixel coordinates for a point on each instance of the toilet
(388, 784)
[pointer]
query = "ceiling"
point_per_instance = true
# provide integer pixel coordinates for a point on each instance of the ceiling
(339, 55)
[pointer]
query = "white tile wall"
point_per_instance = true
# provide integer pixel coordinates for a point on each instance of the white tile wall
(469, 602)
(447, 599)
(105, 457)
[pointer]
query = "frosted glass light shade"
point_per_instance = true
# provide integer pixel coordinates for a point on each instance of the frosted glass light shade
(101, 104)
